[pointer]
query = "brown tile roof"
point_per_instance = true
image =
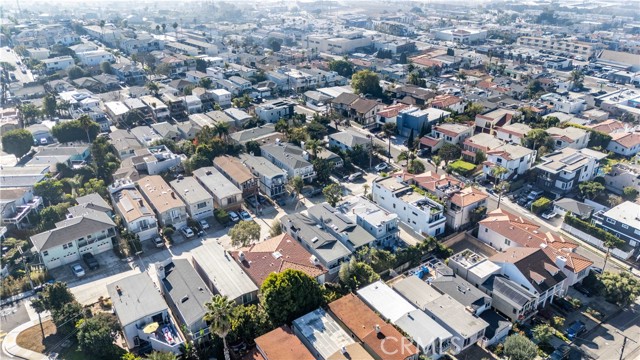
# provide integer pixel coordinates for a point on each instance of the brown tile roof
(468, 196)
(429, 141)
(131, 205)
(363, 106)
(608, 126)
(159, 193)
(362, 322)
(282, 344)
(276, 255)
(392, 110)
(234, 168)
(345, 98)
(534, 263)
(628, 140)
(443, 101)
(522, 231)
(430, 180)
(354, 352)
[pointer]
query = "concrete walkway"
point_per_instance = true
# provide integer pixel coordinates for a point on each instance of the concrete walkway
(10, 347)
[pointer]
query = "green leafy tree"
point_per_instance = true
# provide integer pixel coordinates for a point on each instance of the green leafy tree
(630, 193)
(51, 191)
(621, 288)
(275, 229)
(205, 82)
(50, 215)
(28, 112)
(414, 78)
(106, 68)
(323, 169)
(153, 87)
(449, 152)
(164, 69)
(474, 109)
(411, 140)
(314, 145)
(332, 193)
(354, 274)
(295, 186)
(366, 82)
(104, 160)
(50, 105)
(96, 335)
(17, 142)
(75, 72)
(76, 130)
(248, 322)
(289, 295)
(242, 102)
(497, 173)
(188, 90)
(274, 44)
(577, 79)
(542, 333)
(160, 355)
(590, 189)
(66, 317)
(342, 67)
(253, 147)
(93, 186)
(416, 167)
(88, 125)
(518, 347)
(480, 157)
(219, 316)
(437, 160)
(55, 296)
(244, 233)
(316, 130)
(536, 138)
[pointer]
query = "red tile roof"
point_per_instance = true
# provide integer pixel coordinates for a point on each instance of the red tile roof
(628, 140)
(444, 101)
(362, 322)
(608, 126)
(392, 110)
(276, 255)
(468, 196)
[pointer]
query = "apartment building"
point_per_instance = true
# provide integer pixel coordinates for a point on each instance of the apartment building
(198, 200)
(567, 45)
(240, 175)
(272, 179)
(561, 171)
(225, 194)
(169, 208)
(291, 158)
(135, 212)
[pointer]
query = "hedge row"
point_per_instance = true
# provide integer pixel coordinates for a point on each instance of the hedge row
(540, 205)
(591, 229)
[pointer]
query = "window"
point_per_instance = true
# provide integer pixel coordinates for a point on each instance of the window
(507, 242)
(486, 229)
(624, 226)
(611, 221)
(45, 253)
(202, 205)
(64, 246)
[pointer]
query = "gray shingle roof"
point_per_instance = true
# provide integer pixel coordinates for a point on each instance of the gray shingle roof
(135, 297)
(72, 229)
(349, 139)
(325, 245)
(187, 290)
(288, 154)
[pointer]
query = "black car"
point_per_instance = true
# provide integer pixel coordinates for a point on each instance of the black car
(91, 261)
(582, 290)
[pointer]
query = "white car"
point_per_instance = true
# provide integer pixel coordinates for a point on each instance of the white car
(204, 224)
(78, 270)
(549, 215)
(234, 216)
(158, 242)
(187, 232)
(382, 167)
(245, 216)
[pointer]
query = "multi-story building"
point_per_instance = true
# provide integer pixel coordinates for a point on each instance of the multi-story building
(513, 133)
(136, 214)
(515, 158)
(169, 209)
(623, 221)
(561, 171)
(570, 136)
(345, 42)
(380, 223)
(488, 122)
(198, 200)
(564, 104)
(225, 194)
(290, 158)
(159, 109)
(461, 35)
(352, 235)
(95, 58)
(240, 175)
(622, 176)
(422, 214)
(58, 63)
(276, 110)
(272, 178)
(548, 43)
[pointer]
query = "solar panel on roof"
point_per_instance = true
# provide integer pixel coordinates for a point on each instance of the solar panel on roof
(572, 159)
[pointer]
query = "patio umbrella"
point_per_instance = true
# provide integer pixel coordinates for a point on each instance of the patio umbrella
(151, 328)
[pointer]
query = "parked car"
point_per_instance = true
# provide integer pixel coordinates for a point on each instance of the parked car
(355, 176)
(535, 195)
(549, 214)
(245, 216)
(158, 242)
(596, 270)
(560, 353)
(233, 216)
(187, 231)
(77, 270)
(576, 328)
(382, 167)
(203, 224)
(90, 260)
(563, 304)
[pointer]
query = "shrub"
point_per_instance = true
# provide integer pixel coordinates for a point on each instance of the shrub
(590, 229)
(221, 216)
(541, 205)
(462, 167)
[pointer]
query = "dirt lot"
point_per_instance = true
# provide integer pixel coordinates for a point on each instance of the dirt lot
(32, 337)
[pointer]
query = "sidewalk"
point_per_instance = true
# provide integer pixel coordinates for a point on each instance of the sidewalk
(10, 347)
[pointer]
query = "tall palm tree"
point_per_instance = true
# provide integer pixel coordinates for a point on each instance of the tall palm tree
(314, 146)
(218, 317)
(497, 172)
(164, 30)
(158, 29)
(404, 156)
(153, 87)
(500, 186)
(85, 123)
(389, 129)
(365, 187)
(436, 161)
(222, 129)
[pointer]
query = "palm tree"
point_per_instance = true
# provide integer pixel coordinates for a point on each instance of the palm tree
(153, 87)
(158, 29)
(85, 123)
(222, 129)
(297, 184)
(497, 172)
(164, 30)
(218, 317)
(102, 23)
(38, 306)
(175, 27)
(365, 187)
(404, 156)
(389, 129)
(501, 188)
(159, 355)
(314, 146)
(436, 161)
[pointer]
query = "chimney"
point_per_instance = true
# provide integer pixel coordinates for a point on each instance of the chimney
(160, 271)
(377, 328)
(561, 261)
(241, 256)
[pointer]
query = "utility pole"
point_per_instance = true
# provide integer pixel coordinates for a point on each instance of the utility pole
(624, 343)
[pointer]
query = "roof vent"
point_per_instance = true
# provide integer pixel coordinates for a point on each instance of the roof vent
(184, 299)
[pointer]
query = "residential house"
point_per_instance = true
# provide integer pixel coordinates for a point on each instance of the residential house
(389, 113)
(341, 103)
(125, 143)
(145, 135)
(137, 106)
(515, 158)
(159, 109)
(90, 202)
(462, 205)
(451, 102)
(59, 63)
(41, 133)
(327, 250)
(325, 339)
(225, 194)
(16, 204)
(169, 209)
(413, 94)
(198, 200)
(222, 274)
(564, 104)
(116, 111)
(272, 179)
(95, 57)
(370, 330)
(414, 119)
(622, 176)
(535, 270)
(275, 255)
(622, 220)
(445, 133)
(273, 111)
(364, 111)
(240, 175)
(27, 176)
(352, 235)
(93, 233)
(513, 133)
(130, 73)
(497, 330)
(72, 155)
(219, 116)
(475, 301)
(625, 144)
(290, 158)
(176, 105)
(487, 123)
(135, 212)
(166, 130)
(138, 304)
(221, 97)
(346, 141)
(561, 171)
(280, 344)
(427, 335)
(186, 294)
(575, 207)
(380, 223)
(479, 142)
(156, 160)
(570, 136)
(419, 212)
(240, 117)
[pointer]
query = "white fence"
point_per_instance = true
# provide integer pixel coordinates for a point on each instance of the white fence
(595, 241)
